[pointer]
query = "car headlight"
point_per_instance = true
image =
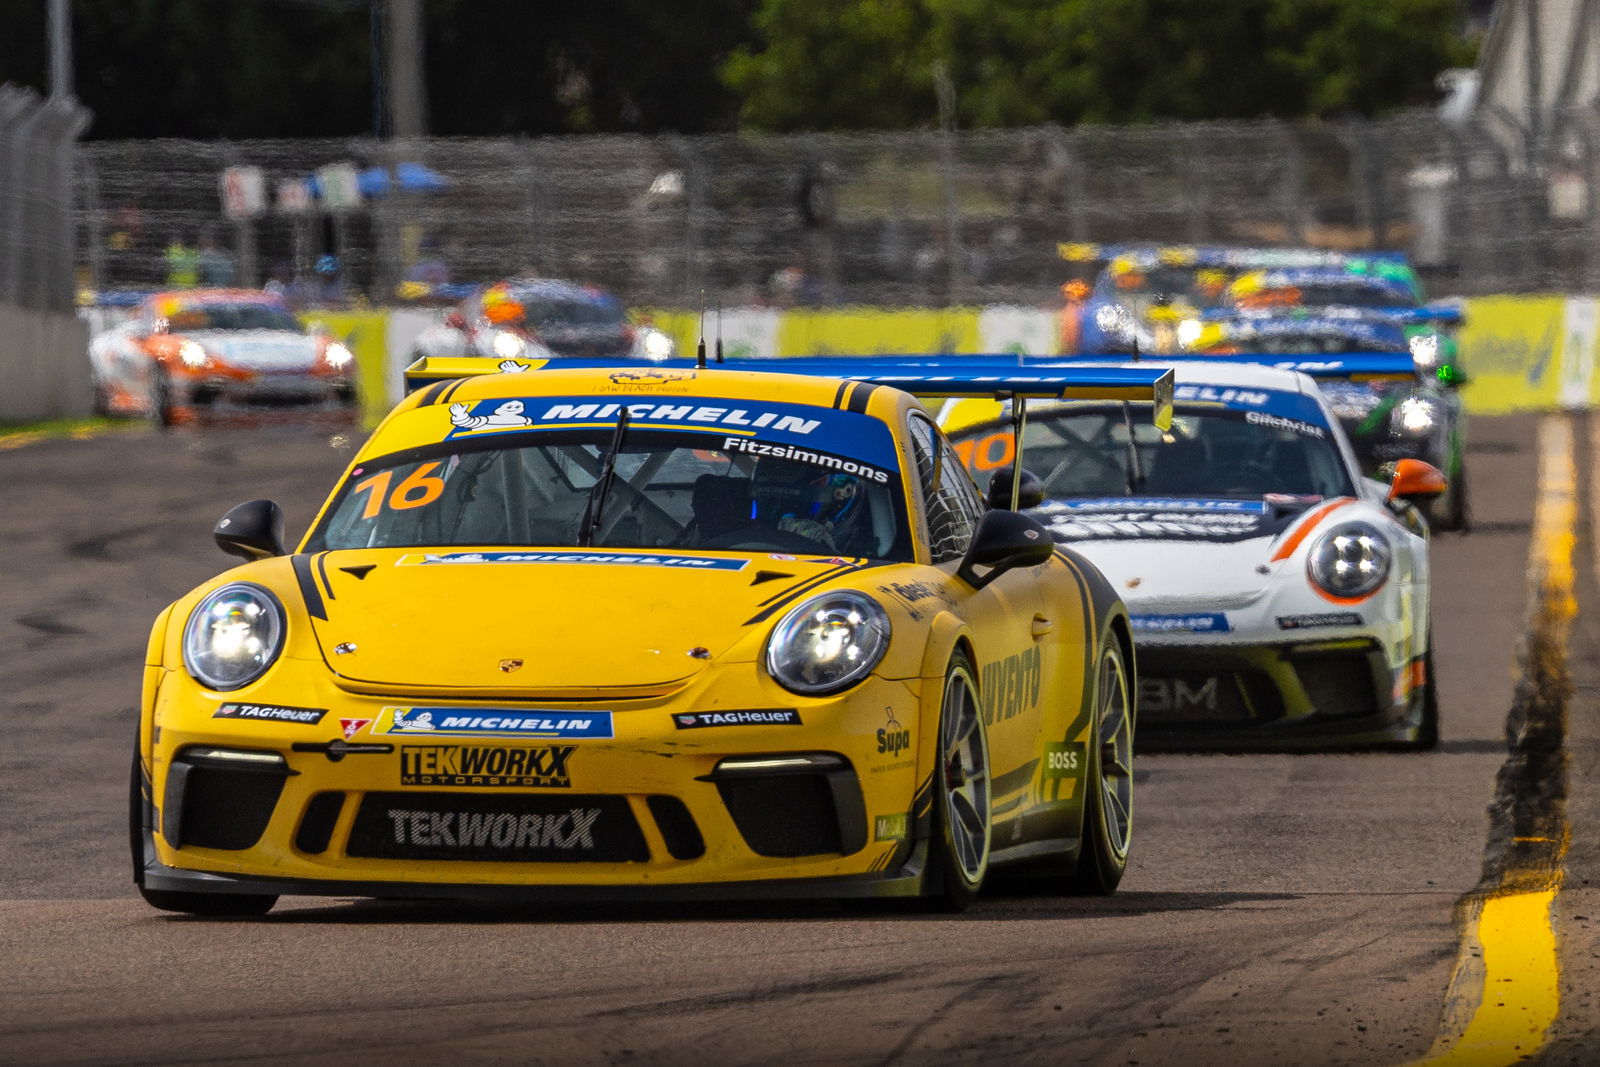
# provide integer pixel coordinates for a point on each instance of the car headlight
(337, 356)
(233, 636)
(193, 355)
(828, 643)
(1416, 415)
(1115, 323)
(1189, 331)
(657, 345)
(1425, 350)
(1351, 560)
(508, 345)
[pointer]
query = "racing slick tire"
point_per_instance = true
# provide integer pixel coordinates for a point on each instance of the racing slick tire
(962, 831)
(1428, 731)
(238, 905)
(1450, 512)
(161, 400)
(1108, 793)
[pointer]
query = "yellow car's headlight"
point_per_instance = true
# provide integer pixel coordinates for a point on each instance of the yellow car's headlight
(828, 643)
(233, 636)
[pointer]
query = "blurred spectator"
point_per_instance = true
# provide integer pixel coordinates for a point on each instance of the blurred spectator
(794, 286)
(215, 264)
(280, 282)
(183, 263)
(430, 268)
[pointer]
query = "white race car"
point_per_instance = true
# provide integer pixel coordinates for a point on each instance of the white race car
(1279, 598)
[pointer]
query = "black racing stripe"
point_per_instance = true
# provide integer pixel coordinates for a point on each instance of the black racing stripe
(430, 395)
(922, 800)
(450, 392)
(308, 586)
(1011, 781)
(838, 396)
(824, 576)
(859, 397)
(796, 592)
(322, 572)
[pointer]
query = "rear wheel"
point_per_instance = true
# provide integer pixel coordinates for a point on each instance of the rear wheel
(1108, 796)
(962, 831)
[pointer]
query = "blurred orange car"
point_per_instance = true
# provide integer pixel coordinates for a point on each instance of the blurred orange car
(197, 354)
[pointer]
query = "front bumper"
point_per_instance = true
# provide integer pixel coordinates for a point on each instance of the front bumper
(749, 810)
(203, 397)
(1278, 696)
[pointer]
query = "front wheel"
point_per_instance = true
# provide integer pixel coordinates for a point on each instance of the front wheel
(962, 831)
(221, 905)
(1108, 793)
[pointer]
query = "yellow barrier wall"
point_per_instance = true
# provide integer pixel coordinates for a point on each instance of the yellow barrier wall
(365, 333)
(865, 331)
(1511, 349)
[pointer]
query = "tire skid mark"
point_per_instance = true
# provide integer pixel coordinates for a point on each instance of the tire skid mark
(1505, 993)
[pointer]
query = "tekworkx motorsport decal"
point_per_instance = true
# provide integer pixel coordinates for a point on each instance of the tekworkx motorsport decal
(437, 721)
(694, 720)
(271, 713)
(621, 559)
(1206, 622)
(847, 434)
(1153, 518)
(1311, 622)
(543, 767)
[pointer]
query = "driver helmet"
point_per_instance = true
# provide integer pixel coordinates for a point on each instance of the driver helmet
(826, 506)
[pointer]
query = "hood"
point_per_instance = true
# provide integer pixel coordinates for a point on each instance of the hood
(1217, 521)
(1228, 558)
(577, 619)
(259, 350)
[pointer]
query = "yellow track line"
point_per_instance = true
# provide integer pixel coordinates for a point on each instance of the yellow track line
(1508, 973)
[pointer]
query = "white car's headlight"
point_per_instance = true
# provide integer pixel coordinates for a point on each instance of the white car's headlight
(508, 345)
(828, 643)
(233, 636)
(1350, 561)
(1425, 351)
(337, 356)
(1416, 415)
(656, 344)
(1189, 331)
(193, 355)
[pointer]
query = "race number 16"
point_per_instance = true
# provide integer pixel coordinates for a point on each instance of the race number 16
(417, 489)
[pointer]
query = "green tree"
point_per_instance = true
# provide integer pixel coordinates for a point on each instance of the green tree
(836, 64)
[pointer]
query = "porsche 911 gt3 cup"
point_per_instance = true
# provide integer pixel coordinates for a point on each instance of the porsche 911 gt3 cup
(642, 631)
(1280, 598)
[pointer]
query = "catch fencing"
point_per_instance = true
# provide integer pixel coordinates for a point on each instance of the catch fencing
(37, 244)
(921, 218)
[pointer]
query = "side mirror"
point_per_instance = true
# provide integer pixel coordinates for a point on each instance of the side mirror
(455, 320)
(1004, 540)
(1031, 494)
(1415, 480)
(253, 530)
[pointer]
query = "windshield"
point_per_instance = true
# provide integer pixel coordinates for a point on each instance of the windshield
(1323, 295)
(1210, 451)
(545, 313)
(1181, 285)
(247, 316)
(1290, 344)
(670, 490)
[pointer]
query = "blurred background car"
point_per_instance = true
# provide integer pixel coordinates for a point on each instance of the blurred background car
(1386, 420)
(212, 353)
(537, 318)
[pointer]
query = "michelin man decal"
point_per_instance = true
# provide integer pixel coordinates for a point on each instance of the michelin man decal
(507, 414)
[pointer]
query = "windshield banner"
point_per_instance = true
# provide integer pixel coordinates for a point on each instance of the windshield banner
(842, 433)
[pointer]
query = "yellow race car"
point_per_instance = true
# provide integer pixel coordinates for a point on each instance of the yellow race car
(652, 632)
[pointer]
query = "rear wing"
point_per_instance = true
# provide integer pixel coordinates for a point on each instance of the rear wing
(1351, 366)
(994, 376)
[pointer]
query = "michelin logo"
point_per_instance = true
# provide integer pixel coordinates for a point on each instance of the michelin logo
(710, 563)
(1206, 623)
(512, 414)
(493, 722)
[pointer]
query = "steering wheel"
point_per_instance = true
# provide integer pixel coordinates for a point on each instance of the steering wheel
(757, 538)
